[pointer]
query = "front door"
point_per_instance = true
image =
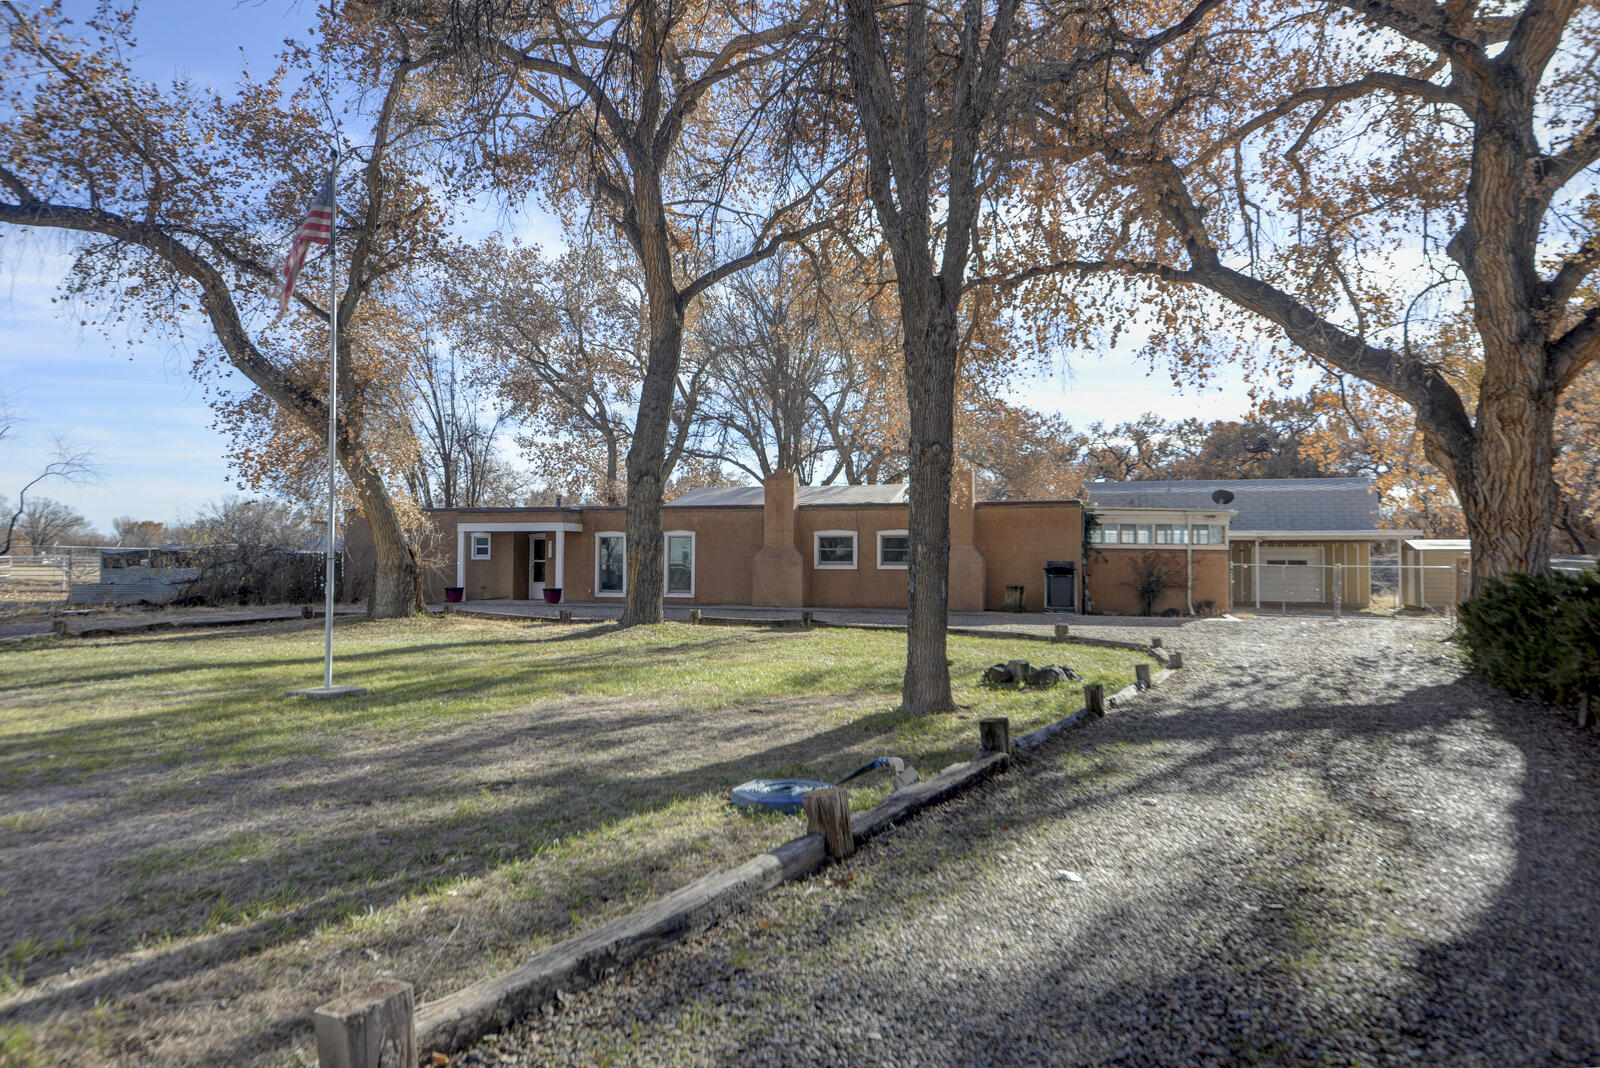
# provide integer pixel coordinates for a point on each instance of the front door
(536, 566)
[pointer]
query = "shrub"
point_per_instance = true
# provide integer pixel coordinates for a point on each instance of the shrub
(1537, 635)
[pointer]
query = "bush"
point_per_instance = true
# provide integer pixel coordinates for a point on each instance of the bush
(1537, 635)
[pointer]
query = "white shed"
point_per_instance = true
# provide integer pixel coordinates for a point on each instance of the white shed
(1433, 572)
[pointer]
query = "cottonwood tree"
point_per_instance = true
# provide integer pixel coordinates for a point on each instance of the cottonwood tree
(936, 133)
(1383, 164)
(456, 426)
(648, 120)
(563, 339)
(182, 202)
(45, 523)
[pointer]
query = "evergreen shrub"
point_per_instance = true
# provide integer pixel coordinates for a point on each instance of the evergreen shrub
(1537, 635)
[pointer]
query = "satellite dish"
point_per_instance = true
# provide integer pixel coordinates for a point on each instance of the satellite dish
(1222, 496)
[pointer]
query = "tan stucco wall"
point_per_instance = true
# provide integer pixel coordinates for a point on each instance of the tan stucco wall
(866, 586)
(1111, 571)
(1017, 538)
(1355, 556)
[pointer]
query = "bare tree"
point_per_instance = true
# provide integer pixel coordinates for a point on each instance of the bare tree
(456, 427)
(45, 523)
(72, 463)
(653, 115)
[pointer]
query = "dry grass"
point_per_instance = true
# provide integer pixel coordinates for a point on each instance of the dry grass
(190, 861)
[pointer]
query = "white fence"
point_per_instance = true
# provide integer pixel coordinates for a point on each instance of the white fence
(53, 570)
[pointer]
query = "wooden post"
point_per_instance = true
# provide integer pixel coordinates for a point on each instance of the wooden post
(58, 627)
(805, 620)
(1094, 699)
(1015, 599)
(1174, 659)
(565, 615)
(1141, 676)
(374, 1027)
(1061, 632)
(694, 616)
(828, 811)
(1586, 712)
(1156, 643)
(994, 735)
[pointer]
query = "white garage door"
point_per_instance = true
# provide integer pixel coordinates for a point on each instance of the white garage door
(1293, 575)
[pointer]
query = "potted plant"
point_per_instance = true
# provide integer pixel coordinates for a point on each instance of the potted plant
(552, 595)
(453, 594)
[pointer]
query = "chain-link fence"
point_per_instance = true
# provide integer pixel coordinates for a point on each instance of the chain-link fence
(1380, 587)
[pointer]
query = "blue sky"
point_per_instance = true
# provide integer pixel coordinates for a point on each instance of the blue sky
(147, 420)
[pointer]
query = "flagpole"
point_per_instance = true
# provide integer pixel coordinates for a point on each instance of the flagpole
(333, 414)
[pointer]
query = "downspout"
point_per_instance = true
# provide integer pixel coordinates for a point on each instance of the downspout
(1188, 544)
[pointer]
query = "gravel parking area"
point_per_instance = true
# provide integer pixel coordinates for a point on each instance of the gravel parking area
(1321, 843)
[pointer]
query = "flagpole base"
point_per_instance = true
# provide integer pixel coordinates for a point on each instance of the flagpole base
(325, 692)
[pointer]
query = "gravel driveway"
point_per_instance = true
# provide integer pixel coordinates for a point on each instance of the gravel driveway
(1321, 843)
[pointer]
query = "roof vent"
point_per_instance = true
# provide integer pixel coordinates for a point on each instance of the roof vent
(1222, 496)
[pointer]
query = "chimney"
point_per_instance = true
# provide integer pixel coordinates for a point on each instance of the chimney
(777, 575)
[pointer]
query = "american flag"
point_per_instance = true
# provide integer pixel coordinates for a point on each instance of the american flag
(314, 229)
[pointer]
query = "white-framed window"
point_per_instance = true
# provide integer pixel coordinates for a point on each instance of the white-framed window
(480, 546)
(1144, 534)
(610, 564)
(1180, 534)
(834, 550)
(1126, 533)
(1219, 535)
(1163, 533)
(894, 550)
(1202, 534)
(680, 563)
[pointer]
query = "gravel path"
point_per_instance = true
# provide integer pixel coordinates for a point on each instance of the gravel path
(1319, 844)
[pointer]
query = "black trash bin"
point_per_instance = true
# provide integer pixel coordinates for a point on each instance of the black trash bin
(1060, 586)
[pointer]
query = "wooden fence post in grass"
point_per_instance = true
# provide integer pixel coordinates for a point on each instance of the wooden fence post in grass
(565, 615)
(828, 811)
(1061, 632)
(694, 616)
(58, 627)
(994, 735)
(1094, 699)
(374, 1027)
(1156, 643)
(1174, 659)
(1141, 676)
(805, 620)
(1586, 712)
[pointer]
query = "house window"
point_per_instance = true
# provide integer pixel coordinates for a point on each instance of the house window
(894, 550)
(1126, 534)
(1202, 535)
(610, 569)
(680, 563)
(1144, 534)
(1180, 534)
(1219, 535)
(480, 546)
(835, 549)
(1097, 534)
(1163, 533)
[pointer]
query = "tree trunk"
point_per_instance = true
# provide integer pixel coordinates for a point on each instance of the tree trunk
(930, 358)
(647, 460)
(397, 581)
(1507, 489)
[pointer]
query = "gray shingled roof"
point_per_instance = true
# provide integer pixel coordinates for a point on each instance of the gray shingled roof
(820, 496)
(1267, 504)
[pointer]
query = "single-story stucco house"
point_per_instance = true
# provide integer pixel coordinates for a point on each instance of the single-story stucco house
(786, 545)
(1292, 540)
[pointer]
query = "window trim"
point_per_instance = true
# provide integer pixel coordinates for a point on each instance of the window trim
(666, 562)
(472, 543)
(906, 534)
(816, 550)
(600, 535)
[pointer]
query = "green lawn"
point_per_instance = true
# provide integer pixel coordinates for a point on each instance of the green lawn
(189, 860)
